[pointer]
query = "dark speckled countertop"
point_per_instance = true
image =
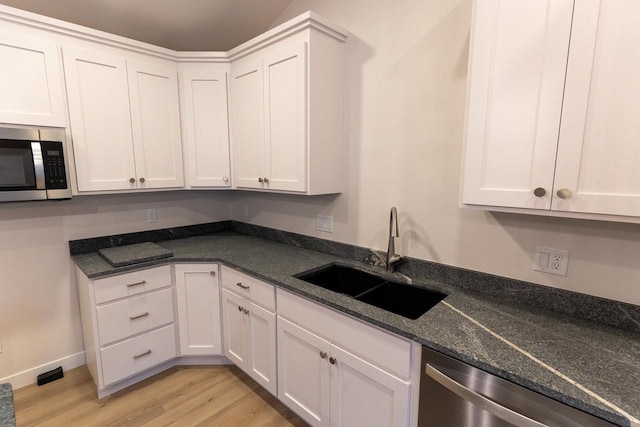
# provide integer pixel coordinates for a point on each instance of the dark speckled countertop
(585, 364)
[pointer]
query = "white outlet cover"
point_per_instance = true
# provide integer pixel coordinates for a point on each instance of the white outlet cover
(152, 215)
(550, 260)
(324, 223)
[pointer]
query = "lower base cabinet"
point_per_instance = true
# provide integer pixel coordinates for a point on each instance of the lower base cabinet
(249, 323)
(328, 384)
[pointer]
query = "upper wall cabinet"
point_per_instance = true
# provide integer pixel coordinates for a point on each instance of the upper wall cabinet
(553, 98)
(286, 109)
(125, 121)
(30, 82)
(205, 121)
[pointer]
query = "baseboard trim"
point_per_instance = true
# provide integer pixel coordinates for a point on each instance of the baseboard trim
(29, 376)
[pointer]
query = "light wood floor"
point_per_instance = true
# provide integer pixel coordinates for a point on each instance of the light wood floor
(181, 396)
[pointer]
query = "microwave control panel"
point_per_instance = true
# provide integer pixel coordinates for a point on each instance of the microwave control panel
(54, 169)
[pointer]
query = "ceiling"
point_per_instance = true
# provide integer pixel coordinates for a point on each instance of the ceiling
(186, 25)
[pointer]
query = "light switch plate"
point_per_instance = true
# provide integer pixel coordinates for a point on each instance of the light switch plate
(324, 223)
(550, 260)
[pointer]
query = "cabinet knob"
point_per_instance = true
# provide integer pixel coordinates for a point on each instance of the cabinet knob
(213, 273)
(225, 178)
(245, 311)
(266, 180)
(240, 308)
(142, 179)
(323, 355)
(260, 180)
(564, 193)
(132, 180)
(539, 192)
(332, 360)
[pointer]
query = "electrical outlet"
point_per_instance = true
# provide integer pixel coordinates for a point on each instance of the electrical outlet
(245, 211)
(324, 223)
(152, 215)
(550, 260)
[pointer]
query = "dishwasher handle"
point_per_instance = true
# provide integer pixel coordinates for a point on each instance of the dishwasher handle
(481, 401)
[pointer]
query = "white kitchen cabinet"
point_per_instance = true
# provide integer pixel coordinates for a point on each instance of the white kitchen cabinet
(30, 82)
(335, 371)
(128, 326)
(198, 307)
(205, 122)
(249, 322)
(125, 122)
(286, 115)
(536, 142)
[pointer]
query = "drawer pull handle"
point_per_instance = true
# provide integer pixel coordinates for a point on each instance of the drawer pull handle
(240, 285)
(131, 285)
(145, 314)
(138, 356)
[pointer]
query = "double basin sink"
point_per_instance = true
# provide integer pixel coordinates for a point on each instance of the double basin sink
(399, 298)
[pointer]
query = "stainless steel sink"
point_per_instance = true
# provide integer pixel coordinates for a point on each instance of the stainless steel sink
(405, 300)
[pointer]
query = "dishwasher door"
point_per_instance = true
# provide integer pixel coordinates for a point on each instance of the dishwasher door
(454, 394)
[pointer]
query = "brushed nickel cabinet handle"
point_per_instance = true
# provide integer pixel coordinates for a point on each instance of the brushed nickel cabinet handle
(132, 180)
(142, 179)
(138, 356)
(564, 193)
(145, 314)
(539, 192)
(323, 355)
(332, 360)
(131, 285)
(240, 285)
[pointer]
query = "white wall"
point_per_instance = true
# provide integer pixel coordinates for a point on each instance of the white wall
(39, 312)
(406, 77)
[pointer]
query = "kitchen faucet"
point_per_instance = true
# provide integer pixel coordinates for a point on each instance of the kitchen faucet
(392, 257)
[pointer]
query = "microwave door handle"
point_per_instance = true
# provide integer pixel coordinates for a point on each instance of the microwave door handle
(38, 165)
(482, 402)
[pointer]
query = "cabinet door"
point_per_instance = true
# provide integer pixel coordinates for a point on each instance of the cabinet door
(303, 373)
(598, 150)
(206, 128)
(261, 334)
(364, 395)
(198, 300)
(97, 91)
(247, 118)
(285, 82)
(516, 77)
(155, 117)
(233, 320)
(30, 82)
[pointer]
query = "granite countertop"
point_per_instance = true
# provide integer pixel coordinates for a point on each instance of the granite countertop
(587, 365)
(7, 413)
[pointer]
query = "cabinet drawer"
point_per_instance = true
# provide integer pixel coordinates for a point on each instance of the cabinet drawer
(134, 283)
(258, 291)
(129, 357)
(118, 320)
(387, 351)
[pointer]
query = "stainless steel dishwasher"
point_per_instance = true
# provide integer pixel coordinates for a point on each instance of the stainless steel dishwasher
(455, 394)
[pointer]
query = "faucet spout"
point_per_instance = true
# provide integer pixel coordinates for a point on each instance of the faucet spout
(392, 257)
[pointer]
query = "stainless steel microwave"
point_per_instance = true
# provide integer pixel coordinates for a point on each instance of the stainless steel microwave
(33, 165)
